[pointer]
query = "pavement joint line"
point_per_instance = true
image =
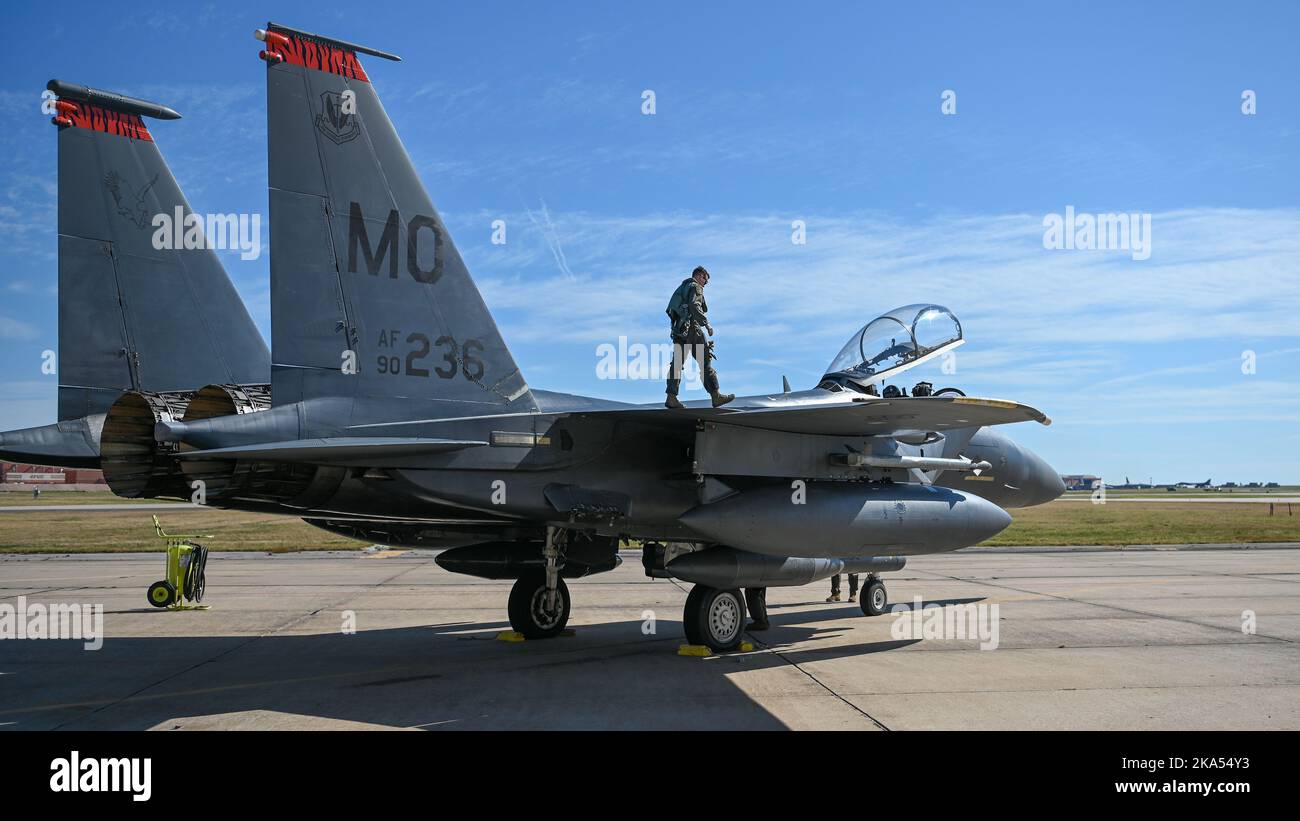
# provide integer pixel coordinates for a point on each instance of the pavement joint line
(1131, 610)
(771, 650)
(977, 579)
(1069, 689)
(1216, 573)
(1208, 574)
(36, 592)
(1271, 643)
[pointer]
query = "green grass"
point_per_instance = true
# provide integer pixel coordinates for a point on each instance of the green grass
(125, 532)
(1072, 523)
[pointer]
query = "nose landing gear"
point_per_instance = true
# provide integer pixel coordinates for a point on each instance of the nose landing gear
(539, 603)
(536, 611)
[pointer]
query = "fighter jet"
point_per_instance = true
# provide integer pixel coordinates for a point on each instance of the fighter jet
(132, 316)
(398, 414)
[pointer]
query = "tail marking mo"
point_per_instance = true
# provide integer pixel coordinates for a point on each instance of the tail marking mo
(374, 258)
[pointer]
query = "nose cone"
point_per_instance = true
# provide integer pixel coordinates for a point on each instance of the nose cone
(1043, 482)
(984, 520)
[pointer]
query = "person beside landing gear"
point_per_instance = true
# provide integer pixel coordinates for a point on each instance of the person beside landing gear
(835, 588)
(756, 601)
(688, 313)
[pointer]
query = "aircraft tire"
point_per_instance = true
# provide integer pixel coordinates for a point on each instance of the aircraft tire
(714, 618)
(874, 599)
(689, 623)
(525, 608)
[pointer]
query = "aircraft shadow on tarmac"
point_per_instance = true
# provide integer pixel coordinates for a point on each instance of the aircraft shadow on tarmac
(444, 676)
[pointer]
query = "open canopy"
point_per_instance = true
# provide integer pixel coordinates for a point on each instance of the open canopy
(893, 342)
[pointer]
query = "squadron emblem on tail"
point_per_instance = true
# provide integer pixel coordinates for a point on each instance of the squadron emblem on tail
(130, 204)
(334, 122)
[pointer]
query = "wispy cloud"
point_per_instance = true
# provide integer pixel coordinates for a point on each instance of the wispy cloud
(16, 329)
(1214, 273)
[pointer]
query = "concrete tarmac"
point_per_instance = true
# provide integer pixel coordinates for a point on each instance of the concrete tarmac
(1137, 639)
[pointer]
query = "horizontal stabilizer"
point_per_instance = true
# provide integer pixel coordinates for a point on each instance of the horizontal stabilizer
(376, 452)
(69, 444)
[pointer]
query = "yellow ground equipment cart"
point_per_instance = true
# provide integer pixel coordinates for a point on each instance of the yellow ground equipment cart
(186, 562)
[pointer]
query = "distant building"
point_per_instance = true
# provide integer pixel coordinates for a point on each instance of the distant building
(17, 473)
(1081, 482)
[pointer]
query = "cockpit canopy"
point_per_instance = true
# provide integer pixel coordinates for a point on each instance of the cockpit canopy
(893, 342)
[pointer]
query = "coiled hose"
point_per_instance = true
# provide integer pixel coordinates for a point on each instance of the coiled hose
(194, 580)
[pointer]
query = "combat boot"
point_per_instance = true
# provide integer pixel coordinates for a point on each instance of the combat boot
(720, 399)
(673, 402)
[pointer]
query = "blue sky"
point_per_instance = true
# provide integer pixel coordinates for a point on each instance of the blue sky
(767, 113)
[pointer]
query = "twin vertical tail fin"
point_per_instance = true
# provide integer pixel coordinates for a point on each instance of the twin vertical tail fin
(370, 301)
(136, 312)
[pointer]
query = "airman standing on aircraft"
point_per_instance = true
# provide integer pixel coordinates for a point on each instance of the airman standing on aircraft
(688, 313)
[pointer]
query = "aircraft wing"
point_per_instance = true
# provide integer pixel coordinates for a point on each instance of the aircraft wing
(863, 416)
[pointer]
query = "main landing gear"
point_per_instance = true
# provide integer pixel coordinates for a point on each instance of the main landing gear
(874, 600)
(714, 618)
(539, 602)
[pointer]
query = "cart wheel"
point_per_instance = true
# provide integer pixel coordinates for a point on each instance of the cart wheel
(161, 594)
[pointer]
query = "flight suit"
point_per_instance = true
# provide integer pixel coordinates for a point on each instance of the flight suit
(756, 601)
(853, 585)
(688, 312)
